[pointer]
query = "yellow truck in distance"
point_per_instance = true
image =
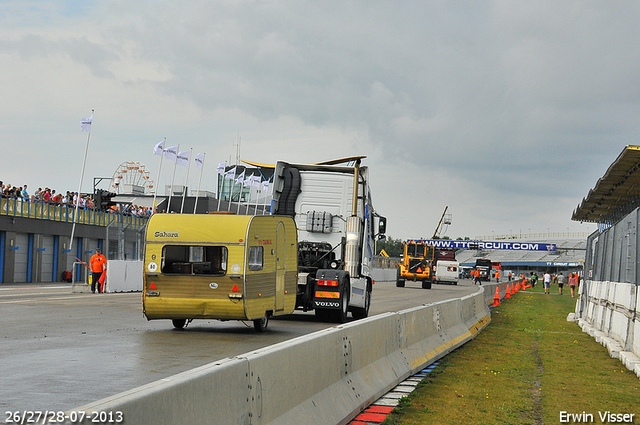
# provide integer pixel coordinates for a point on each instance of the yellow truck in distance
(219, 266)
(416, 264)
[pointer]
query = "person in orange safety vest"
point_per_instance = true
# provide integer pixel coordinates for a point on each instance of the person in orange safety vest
(98, 264)
(476, 276)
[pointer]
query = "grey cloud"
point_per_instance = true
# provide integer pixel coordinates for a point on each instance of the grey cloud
(506, 96)
(93, 55)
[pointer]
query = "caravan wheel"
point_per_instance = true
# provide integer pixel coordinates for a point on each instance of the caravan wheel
(179, 323)
(261, 324)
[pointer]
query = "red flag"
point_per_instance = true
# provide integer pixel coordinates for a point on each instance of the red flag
(101, 280)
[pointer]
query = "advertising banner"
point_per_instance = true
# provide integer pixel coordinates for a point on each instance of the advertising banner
(514, 246)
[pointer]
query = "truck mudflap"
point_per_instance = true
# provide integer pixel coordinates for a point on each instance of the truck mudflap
(331, 295)
(328, 288)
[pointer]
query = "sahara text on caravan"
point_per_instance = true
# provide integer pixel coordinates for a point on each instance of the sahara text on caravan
(166, 234)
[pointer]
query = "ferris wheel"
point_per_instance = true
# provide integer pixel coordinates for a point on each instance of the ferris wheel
(132, 177)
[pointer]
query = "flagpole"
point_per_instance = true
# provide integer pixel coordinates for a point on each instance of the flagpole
(186, 180)
(234, 169)
(246, 211)
(172, 178)
(257, 192)
(240, 196)
(199, 181)
(264, 208)
(84, 161)
(233, 186)
(221, 186)
(155, 192)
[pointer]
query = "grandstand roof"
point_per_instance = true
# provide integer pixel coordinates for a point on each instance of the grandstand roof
(616, 194)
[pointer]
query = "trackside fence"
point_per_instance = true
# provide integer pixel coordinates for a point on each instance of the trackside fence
(607, 305)
(42, 210)
(608, 311)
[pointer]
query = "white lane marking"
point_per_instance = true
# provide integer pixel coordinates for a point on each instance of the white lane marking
(35, 287)
(42, 299)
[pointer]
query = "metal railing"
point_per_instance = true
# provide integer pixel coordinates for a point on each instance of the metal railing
(41, 210)
(380, 262)
(83, 276)
(529, 235)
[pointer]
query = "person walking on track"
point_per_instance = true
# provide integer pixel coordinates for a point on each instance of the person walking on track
(547, 282)
(560, 283)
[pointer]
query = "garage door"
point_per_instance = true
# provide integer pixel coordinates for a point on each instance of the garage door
(21, 264)
(46, 273)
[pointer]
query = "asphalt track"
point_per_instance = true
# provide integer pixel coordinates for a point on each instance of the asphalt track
(62, 350)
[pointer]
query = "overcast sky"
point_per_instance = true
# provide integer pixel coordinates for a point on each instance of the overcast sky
(507, 112)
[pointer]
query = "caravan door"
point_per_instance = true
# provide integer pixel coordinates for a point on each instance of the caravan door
(280, 266)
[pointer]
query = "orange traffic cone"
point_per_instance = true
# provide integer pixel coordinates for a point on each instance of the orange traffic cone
(517, 288)
(496, 298)
(508, 294)
(524, 286)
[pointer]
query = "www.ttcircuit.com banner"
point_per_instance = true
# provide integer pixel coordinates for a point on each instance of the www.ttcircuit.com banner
(516, 246)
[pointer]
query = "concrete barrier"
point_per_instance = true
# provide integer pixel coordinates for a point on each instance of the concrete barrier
(384, 275)
(607, 311)
(322, 378)
(331, 390)
(124, 276)
(635, 328)
(197, 396)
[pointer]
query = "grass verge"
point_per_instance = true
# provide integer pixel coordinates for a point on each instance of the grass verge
(526, 367)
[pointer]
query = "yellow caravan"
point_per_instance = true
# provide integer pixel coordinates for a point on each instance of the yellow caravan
(219, 266)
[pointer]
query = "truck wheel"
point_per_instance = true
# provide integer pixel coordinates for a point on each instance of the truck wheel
(261, 324)
(340, 315)
(362, 313)
(426, 284)
(179, 323)
(399, 280)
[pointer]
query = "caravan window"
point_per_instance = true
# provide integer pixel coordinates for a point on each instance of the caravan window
(194, 260)
(255, 258)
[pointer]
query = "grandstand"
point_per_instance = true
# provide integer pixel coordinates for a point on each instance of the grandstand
(567, 258)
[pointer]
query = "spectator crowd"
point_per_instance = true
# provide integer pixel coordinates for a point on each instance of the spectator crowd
(70, 199)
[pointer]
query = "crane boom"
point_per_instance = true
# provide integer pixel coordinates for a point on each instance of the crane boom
(435, 234)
